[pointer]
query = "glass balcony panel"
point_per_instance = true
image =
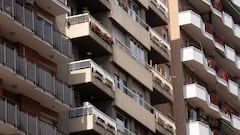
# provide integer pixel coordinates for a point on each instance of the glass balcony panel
(32, 125)
(42, 128)
(21, 67)
(65, 46)
(67, 95)
(7, 6)
(11, 111)
(1, 53)
(31, 69)
(50, 130)
(10, 57)
(39, 27)
(59, 90)
(49, 83)
(22, 121)
(29, 19)
(1, 5)
(48, 32)
(18, 13)
(41, 78)
(2, 110)
(57, 41)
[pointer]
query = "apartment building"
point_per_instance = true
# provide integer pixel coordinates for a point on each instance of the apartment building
(33, 65)
(120, 70)
(205, 66)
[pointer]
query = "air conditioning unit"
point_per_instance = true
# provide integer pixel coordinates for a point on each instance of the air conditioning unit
(29, 2)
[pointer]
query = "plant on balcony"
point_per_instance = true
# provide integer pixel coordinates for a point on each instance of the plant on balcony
(208, 27)
(218, 38)
(225, 108)
(211, 63)
(217, 4)
(222, 73)
(214, 98)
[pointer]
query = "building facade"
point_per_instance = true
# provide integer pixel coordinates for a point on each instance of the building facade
(85, 67)
(205, 70)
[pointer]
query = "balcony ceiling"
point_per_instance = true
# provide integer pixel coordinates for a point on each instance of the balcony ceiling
(94, 6)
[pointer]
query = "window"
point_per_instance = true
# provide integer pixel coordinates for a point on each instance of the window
(139, 98)
(44, 29)
(118, 35)
(167, 72)
(122, 122)
(137, 51)
(165, 35)
(120, 83)
(135, 11)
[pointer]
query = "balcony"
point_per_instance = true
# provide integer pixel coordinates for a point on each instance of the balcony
(201, 5)
(14, 121)
(33, 81)
(160, 49)
(33, 31)
(236, 3)
(195, 60)
(91, 77)
(198, 128)
(123, 57)
(162, 88)
(91, 36)
(135, 26)
(88, 119)
(157, 9)
(164, 125)
(95, 6)
(200, 31)
(136, 107)
(54, 7)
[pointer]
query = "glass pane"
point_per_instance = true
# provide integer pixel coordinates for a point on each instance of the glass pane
(39, 27)
(10, 57)
(1, 53)
(29, 19)
(7, 6)
(49, 83)
(42, 128)
(59, 90)
(32, 127)
(57, 41)
(48, 32)
(41, 78)
(11, 114)
(22, 121)
(21, 68)
(2, 110)
(31, 69)
(18, 13)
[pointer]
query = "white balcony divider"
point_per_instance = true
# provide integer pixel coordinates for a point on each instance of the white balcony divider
(43, 29)
(88, 63)
(35, 74)
(161, 5)
(155, 37)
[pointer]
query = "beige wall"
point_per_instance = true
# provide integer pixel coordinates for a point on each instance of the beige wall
(136, 111)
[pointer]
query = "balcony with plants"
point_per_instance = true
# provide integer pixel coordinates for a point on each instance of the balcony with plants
(89, 75)
(33, 79)
(34, 31)
(86, 29)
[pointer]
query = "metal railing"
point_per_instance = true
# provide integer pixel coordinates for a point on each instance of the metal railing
(40, 27)
(89, 109)
(34, 73)
(161, 6)
(95, 25)
(10, 113)
(124, 130)
(88, 63)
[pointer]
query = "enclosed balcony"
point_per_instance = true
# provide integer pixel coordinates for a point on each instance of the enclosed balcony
(87, 75)
(123, 57)
(88, 120)
(160, 49)
(33, 31)
(14, 121)
(162, 88)
(158, 10)
(54, 7)
(135, 25)
(26, 77)
(90, 35)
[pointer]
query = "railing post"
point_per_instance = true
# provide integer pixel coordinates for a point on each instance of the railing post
(35, 73)
(26, 67)
(63, 92)
(14, 59)
(24, 18)
(4, 54)
(5, 108)
(45, 82)
(33, 21)
(27, 123)
(16, 115)
(54, 86)
(12, 8)
(36, 132)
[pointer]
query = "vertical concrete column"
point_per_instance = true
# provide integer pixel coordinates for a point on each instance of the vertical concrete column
(177, 69)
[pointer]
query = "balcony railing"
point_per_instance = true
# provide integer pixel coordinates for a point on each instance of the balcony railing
(40, 27)
(164, 121)
(124, 130)
(31, 71)
(157, 39)
(100, 117)
(95, 26)
(161, 6)
(10, 113)
(88, 63)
